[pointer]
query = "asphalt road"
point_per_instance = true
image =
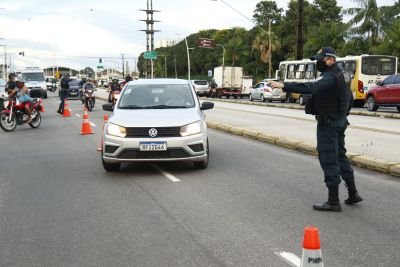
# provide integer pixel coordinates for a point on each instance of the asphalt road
(58, 207)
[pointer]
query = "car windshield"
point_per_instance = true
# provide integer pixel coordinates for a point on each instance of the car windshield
(373, 65)
(37, 77)
(74, 82)
(156, 96)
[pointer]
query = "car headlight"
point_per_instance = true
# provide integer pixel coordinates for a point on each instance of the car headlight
(115, 130)
(191, 129)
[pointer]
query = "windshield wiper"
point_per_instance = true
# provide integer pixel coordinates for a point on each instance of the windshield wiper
(163, 107)
(131, 107)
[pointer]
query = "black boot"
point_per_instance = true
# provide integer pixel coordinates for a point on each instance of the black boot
(333, 203)
(354, 197)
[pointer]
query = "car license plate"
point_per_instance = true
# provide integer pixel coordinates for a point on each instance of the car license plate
(153, 146)
(74, 93)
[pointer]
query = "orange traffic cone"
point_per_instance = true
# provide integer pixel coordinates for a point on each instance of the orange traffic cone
(312, 255)
(86, 129)
(67, 111)
(100, 148)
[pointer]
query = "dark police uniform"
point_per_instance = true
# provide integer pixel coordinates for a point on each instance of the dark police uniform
(330, 103)
(63, 92)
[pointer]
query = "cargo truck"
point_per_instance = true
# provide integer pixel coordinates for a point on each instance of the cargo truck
(229, 82)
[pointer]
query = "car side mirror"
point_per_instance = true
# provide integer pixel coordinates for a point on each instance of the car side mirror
(379, 83)
(207, 105)
(108, 107)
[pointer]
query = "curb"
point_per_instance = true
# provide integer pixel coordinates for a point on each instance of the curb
(275, 105)
(379, 165)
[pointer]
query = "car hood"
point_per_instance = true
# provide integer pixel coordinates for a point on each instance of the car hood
(155, 117)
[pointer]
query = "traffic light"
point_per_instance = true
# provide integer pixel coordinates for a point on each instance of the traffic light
(100, 60)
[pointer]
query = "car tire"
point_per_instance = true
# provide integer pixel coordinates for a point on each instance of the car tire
(262, 98)
(283, 101)
(235, 96)
(110, 167)
(358, 103)
(228, 96)
(371, 104)
(250, 97)
(45, 95)
(201, 165)
(398, 109)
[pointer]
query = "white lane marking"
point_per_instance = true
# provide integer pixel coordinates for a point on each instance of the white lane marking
(290, 258)
(78, 115)
(91, 123)
(166, 174)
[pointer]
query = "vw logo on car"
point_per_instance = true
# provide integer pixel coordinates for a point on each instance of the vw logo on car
(153, 132)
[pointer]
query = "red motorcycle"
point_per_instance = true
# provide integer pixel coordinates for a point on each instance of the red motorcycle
(14, 114)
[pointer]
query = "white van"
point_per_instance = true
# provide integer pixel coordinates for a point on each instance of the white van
(35, 81)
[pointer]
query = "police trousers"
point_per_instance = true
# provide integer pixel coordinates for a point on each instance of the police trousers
(332, 151)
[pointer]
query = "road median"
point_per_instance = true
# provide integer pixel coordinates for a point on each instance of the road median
(298, 107)
(367, 162)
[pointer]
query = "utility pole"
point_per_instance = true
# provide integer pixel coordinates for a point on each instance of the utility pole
(299, 30)
(123, 66)
(149, 35)
(269, 49)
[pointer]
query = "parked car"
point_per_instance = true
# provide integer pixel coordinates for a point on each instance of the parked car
(201, 87)
(385, 93)
(264, 92)
(156, 120)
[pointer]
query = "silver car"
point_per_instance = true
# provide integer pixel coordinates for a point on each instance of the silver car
(264, 92)
(201, 87)
(156, 120)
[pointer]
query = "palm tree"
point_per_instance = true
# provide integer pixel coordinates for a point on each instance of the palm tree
(366, 20)
(261, 44)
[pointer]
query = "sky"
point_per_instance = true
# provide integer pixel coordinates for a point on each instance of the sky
(75, 33)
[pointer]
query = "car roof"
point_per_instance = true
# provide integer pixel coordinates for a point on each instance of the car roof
(158, 81)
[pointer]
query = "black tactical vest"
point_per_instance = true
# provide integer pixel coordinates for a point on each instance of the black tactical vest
(335, 103)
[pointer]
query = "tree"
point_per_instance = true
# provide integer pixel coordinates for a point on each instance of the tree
(265, 11)
(366, 20)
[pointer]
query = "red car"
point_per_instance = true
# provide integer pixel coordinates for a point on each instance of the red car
(385, 94)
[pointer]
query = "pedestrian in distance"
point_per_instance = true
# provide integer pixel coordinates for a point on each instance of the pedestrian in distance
(330, 100)
(63, 92)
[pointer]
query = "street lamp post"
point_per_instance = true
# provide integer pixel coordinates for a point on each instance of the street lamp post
(188, 56)
(223, 53)
(5, 59)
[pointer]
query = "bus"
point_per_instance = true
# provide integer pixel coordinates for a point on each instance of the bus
(301, 71)
(365, 71)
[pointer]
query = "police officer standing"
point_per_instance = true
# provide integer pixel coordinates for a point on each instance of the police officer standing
(63, 92)
(330, 102)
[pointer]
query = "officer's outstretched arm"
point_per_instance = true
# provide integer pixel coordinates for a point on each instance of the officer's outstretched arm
(321, 85)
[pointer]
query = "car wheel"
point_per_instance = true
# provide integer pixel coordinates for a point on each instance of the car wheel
(359, 103)
(250, 97)
(262, 98)
(371, 104)
(45, 95)
(228, 96)
(203, 164)
(110, 167)
(235, 96)
(398, 109)
(283, 101)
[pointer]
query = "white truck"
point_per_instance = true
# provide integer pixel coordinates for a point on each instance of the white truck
(35, 81)
(229, 82)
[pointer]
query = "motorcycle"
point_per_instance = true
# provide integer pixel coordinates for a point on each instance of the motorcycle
(89, 99)
(14, 114)
(114, 97)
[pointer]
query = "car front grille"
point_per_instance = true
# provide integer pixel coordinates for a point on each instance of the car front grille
(171, 153)
(136, 132)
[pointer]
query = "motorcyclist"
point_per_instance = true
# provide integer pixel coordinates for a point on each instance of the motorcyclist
(115, 86)
(11, 83)
(127, 80)
(88, 86)
(22, 92)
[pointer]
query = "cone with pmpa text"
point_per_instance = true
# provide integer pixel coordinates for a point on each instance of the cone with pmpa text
(312, 255)
(67, 111)
(86, 128)
(100, 148)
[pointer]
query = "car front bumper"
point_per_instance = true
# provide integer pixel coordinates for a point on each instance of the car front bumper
(189, 148)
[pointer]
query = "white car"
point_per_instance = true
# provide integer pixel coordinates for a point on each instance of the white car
(35, 81)
(156, 120)
(201, 87)
(263, 91)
